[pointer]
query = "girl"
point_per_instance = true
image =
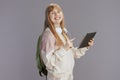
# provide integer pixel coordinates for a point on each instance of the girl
(57, 49)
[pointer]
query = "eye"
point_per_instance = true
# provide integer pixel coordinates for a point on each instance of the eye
(52, 12)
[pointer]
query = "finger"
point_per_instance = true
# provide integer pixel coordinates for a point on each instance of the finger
(72, 39)
(92, 39)
(90, 44)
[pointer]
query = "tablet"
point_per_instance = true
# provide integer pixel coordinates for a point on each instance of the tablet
(86, 39)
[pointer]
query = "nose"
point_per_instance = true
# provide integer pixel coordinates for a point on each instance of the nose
(56, 14)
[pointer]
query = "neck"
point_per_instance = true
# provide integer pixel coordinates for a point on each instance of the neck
(57, 25)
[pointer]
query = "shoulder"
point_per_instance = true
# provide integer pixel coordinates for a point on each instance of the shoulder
(48, 34)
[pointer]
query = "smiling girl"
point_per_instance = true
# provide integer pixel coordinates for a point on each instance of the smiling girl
(58, 52)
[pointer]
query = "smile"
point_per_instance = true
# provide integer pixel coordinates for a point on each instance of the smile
(57, 18)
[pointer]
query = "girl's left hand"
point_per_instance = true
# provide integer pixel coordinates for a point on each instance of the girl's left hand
(90, 43)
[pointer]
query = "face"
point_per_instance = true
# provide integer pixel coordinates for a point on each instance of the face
(56, 16)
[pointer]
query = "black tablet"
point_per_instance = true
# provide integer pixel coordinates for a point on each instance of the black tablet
(86, 39)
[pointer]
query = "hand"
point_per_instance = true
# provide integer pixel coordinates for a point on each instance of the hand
(90, 43)
(69, 44)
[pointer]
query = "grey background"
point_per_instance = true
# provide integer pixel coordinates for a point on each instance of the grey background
(21, 22)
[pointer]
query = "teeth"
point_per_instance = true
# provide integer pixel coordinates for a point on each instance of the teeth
(57, 18)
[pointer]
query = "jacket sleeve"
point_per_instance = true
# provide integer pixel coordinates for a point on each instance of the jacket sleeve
(79, 52)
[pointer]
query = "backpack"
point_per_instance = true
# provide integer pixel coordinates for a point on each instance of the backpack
(40, 64)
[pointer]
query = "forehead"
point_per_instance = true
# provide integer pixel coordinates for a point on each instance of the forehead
(55, 10)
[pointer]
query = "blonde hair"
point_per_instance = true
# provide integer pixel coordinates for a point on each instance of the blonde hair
(49, 23)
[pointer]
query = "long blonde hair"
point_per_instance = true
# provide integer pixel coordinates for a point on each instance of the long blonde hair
(49, 23)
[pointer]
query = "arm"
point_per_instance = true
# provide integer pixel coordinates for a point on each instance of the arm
(79, 52)
(50, 54)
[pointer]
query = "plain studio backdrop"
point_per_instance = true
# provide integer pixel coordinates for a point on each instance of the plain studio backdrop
(22, 21)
